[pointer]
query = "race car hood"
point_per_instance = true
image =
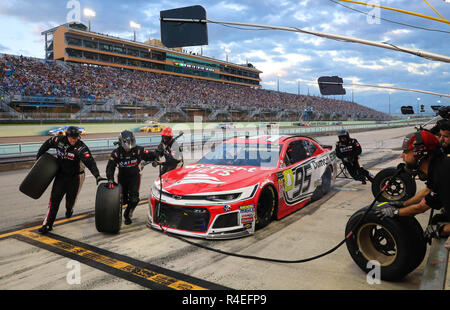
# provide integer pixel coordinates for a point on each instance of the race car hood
(206, 178)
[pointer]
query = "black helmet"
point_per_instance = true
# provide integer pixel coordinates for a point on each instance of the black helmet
(127, 139)
(73, 132)
(343, 133)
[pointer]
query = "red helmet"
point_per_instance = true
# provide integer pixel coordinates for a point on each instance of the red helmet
(421, 142)
(167, 132)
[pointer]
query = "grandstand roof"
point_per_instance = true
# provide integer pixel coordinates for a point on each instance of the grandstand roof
(81, 28)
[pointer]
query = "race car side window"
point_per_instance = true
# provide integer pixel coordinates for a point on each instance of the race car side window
(309, 147)
(296, 152)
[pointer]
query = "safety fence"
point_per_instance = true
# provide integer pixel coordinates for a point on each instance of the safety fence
(13, 152)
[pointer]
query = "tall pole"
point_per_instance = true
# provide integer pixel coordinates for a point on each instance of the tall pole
(389, 104)
(418, 99)
(89, 13)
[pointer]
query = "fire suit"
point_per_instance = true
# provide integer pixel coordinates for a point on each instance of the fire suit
(70, 175)
(129, 176)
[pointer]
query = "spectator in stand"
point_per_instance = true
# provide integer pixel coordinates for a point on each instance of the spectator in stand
(37, 77)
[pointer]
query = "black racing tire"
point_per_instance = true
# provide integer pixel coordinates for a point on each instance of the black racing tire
(403, 188)
(40, 176)
(108, 209)
(417, 240)
(325, 187)
(266, 206)
(391, 242)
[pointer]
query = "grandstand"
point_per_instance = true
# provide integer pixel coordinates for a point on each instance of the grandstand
(62, 87)
(72, 42)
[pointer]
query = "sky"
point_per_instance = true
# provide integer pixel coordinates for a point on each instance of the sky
(291, 62)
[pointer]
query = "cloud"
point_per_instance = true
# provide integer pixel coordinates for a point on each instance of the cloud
(3, 48)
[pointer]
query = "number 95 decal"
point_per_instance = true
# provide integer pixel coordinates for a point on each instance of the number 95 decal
(297, 182)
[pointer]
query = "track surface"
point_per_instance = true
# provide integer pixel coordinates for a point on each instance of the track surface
(141, 258)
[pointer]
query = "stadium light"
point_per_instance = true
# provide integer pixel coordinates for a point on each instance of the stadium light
(227, 51)
(134, 26)
(89, 13)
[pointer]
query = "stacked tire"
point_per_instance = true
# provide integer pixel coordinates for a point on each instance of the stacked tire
(108, 209)
(398, 245)
(403, 187)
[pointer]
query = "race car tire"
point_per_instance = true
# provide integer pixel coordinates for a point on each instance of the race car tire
(390, 242)
(403, 188)
(40, 176)
(108, 209)
(325, 187)
(265, 207)
(417, 240)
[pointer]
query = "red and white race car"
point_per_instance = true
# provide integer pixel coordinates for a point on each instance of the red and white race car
(242, 184)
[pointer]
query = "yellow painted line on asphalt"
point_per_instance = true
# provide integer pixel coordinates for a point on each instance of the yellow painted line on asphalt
(144, 273)
(12, 233)
(59, 222)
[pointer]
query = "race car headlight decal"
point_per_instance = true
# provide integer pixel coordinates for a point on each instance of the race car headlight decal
(226, 197)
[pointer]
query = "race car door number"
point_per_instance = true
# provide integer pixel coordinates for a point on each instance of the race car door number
(297, 182)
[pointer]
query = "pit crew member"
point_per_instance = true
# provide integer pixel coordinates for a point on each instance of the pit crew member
(128, 157)
(348, 150)
(421, 154)
(72, 156)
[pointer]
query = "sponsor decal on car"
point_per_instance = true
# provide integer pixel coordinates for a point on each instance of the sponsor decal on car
(247, 208)
(247, 218)
(220, 170)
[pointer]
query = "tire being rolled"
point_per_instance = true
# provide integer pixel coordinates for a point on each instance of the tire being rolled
(40, 176)
(403, 188)
(397, 244)
(108, 209)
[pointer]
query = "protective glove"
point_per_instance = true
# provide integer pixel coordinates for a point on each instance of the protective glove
(110, 184)
(386, 211)
(433, 231)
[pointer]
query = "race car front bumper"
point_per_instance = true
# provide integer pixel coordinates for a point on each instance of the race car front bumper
(208, 222)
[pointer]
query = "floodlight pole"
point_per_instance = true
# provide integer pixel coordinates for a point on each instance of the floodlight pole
(419, 53)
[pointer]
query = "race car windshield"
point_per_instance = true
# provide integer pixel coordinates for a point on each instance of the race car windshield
(241, 154)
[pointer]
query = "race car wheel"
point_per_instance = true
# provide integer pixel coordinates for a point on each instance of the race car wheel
(266, 207)
(108, 209)
(40, 176)
(325, 187)
(403, 187)
(390, 242)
